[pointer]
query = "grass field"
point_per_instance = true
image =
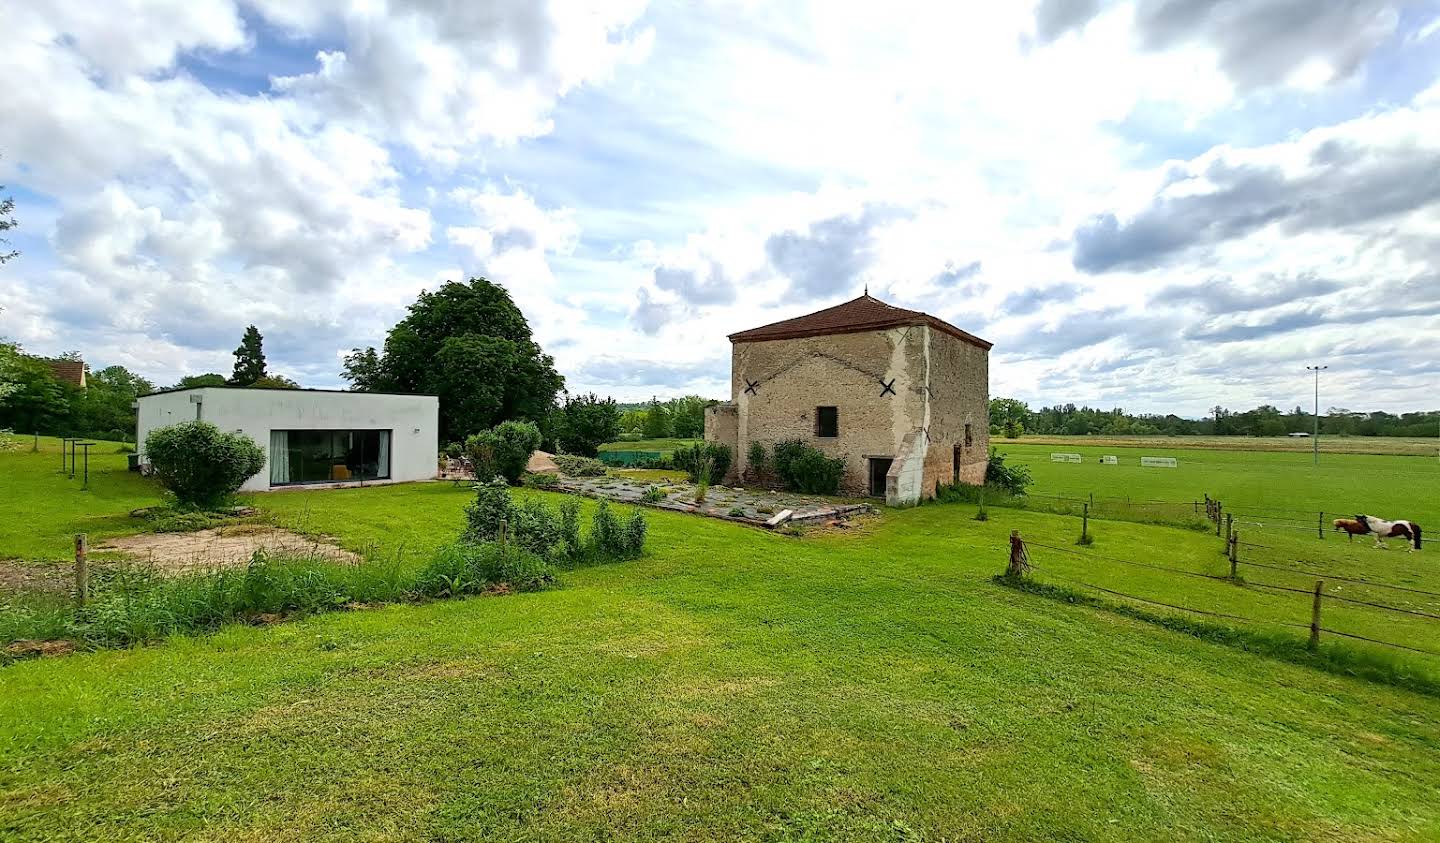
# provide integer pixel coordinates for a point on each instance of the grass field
(664, 446)
(733, 684)
(1394, 445)
(1342, 485)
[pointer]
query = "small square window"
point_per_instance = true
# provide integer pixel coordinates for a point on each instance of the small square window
(827, 422)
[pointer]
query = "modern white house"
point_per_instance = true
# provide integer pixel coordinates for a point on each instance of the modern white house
(311, 436)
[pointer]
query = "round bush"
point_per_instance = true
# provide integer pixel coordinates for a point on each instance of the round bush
(201, 464)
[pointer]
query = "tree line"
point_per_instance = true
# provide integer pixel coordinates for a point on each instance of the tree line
(35, 399)
(1012, 418)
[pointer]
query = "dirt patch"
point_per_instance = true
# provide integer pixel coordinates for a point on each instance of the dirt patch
(542, 463)
(29, 648)
(16, 575)
(221, 547)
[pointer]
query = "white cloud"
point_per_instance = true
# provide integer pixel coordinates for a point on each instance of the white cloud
(646, 181)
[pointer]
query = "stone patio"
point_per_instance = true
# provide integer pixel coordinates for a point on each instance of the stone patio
(754, 507)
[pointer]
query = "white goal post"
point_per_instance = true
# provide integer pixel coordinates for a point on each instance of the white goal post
(1110, 460)
(1066, 458)
(1159, 462)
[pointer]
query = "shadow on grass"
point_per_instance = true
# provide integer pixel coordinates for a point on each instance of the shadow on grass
(1333, 657)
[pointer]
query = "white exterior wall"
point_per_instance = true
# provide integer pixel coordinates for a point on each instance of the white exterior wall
(413, 420)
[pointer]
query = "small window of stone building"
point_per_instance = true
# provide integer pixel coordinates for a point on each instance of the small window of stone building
(969, 437)
(827, 422)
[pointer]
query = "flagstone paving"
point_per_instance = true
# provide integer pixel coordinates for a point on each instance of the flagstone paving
(754, 506)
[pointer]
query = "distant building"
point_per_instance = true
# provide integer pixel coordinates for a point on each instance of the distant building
(901, 396)
(69, 371)
(311, 436)
(1299, 435)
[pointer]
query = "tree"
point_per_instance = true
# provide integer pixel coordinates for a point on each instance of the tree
(275, 382)
(687, 416)
(585, 422)
(35, 399)
(657, 421)
(249, 359)
(470, 345)
(105, 408)
(207, 379)
(7, 222)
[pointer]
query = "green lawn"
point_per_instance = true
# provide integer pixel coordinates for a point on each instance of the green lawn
(41, 509)
(1342, 485)
(664, 446)
(732, 684)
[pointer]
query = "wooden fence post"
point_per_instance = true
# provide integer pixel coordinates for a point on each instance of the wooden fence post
(82, 570)
(504, 528)
(1085, 524)
(1217, 517)
(1315, 615)
(1234, 553)
(1019, 559)
(1320, 528)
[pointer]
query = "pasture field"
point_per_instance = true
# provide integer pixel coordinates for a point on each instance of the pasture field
(1342, 485)
(1393, 445)
(871, 683)
(664, 446)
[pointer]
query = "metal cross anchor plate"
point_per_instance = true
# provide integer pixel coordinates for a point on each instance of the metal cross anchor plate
(889, 388)
(751, 387)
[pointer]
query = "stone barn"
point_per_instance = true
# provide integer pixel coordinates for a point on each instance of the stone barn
(901, 396)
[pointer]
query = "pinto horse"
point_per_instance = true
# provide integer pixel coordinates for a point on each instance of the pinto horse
(1408, 530)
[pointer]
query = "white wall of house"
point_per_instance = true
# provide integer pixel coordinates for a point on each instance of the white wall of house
(413, 421)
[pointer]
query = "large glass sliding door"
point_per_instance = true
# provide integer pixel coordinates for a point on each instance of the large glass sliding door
(328, 456)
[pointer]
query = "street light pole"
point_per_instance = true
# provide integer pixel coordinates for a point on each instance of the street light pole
(1316, 437)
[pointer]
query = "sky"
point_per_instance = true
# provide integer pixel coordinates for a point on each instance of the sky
(1160, 205)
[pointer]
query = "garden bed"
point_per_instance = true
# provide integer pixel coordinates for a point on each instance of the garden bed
(746, 506)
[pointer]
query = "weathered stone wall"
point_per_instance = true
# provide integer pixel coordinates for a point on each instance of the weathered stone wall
(959, 396)
(722, 425)
(846, 371)
(940, 385)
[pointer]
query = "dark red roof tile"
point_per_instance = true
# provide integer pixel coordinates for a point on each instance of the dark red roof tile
(855, 316)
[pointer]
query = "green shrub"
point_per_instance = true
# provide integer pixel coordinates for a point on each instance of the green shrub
(574, 466)
(606, 535)
(570, 527)
(1013, 479)
(540, 480)
(468, 568)
(691, 458)
(536, 529)
(503, 451)
(201, 465)
(634, 535)
(653, 494)
(736, 512)
(491, 507)
(757, 461)
(805, 469)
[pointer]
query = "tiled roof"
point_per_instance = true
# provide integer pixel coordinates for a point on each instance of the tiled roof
(855, 316)
(71, 371)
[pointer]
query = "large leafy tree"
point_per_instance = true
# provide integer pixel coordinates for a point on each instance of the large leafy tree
(582, 423)
(469, 344)
(104, 407)
(7, 222)
(35, 399)
(249, 358)
(207, 379)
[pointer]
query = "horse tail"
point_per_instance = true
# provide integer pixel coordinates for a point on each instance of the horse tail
(1415, 531)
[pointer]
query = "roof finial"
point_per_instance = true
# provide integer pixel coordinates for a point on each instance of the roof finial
(867, 288)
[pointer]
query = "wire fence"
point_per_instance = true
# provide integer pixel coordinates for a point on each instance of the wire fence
(1022, 563)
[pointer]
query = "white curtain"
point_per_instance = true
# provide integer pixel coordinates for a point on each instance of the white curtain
(382, 460)
(279, 456)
